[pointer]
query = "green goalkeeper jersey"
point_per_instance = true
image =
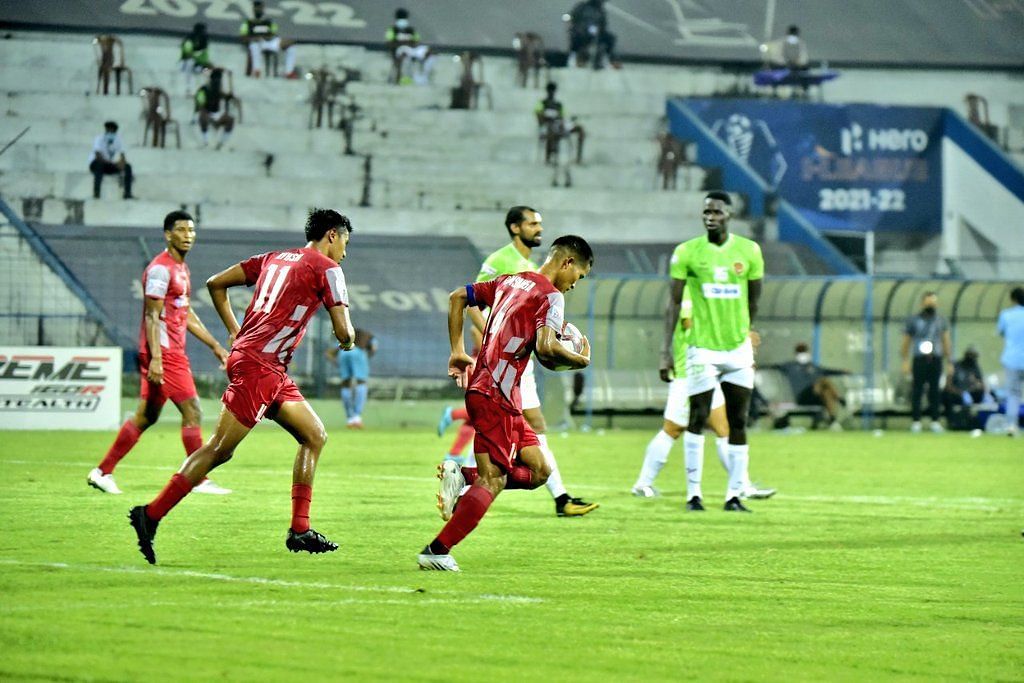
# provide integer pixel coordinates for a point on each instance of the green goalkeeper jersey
(505, 261)
(716, 278)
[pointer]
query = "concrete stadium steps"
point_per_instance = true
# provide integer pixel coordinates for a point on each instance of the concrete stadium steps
(560, 219)
(405, 193)
(201, 163)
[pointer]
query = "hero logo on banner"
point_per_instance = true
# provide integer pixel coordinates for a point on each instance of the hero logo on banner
(44, 387)
(851, 139)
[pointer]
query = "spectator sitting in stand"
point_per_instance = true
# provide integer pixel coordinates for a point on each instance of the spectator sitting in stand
(811, 385)
(964, 388)
(212, 106)
(259, 33)
(589, 35)
(794, 53)
(405, 47)
(107, 158)
(195, 54)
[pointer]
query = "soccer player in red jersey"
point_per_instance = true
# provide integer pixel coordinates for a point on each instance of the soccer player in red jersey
(166, 373)
(290, 286)
(527, 315)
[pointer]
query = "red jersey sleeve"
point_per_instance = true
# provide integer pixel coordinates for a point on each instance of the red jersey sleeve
(332, 288)
(481, 294)
(551, 312)
(253, 265)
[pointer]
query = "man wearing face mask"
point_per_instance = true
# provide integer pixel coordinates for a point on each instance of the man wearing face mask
(108, 158)
(926, 340)
(811, 385)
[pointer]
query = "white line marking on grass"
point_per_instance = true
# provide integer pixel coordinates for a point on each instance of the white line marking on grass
(457, 596)
(982, 504)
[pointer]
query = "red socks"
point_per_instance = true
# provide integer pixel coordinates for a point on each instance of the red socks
(127, 437)
(460, 414)
(302, 494)
(192, 439)
(470, 510)
(177, 488)
(519, 477)
(470, 474)
(466, 434)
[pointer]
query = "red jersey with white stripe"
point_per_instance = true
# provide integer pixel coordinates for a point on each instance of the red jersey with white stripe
(165, 278)
(520, 305)
(290, 285)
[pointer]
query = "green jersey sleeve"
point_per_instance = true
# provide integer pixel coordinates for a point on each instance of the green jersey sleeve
(677, 265)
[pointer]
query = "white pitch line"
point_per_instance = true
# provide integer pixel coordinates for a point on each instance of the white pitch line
(968, 503)
(284, 583)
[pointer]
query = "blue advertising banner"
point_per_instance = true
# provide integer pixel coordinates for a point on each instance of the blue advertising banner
(851, 168)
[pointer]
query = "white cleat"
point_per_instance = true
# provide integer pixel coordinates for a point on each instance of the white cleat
(441, 563)
(645, 492)
(103, 482)
(452, 483)
(754, 492)
(937, 428)
(207, 486)
(915, 427)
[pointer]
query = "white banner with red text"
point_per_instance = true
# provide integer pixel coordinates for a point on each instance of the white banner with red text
(51, 387)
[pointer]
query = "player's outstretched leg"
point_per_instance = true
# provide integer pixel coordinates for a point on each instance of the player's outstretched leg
(298, 418)
(101, 477)
(217, 451)
(566, 505)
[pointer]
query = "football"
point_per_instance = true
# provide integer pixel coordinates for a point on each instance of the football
(572, 339)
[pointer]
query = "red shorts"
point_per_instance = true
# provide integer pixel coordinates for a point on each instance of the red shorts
(499, 433)
(178, 385)
(254, 389)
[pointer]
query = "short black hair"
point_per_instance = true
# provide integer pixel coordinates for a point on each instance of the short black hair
(1017, 294)
(175, 216)
(719, 195)
(794, 30)
(320, 221)
(110, 126)
(401, 13)
(576, 245)
(515, 216)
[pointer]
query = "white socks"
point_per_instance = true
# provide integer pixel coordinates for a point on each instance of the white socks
(554, 483)
(655, 458)
(693, 449)
(740, 456)
(722, 447)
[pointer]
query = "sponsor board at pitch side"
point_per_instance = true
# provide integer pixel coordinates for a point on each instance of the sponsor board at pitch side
(49, 387)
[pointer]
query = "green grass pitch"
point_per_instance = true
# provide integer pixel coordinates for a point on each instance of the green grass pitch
(897, 557)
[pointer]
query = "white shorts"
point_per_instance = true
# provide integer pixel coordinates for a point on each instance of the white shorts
(706, 368)
(677, 407)
(528, 388)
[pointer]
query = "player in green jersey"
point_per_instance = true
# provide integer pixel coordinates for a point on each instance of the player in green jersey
(723, 273)
(523, 224)
(677, 416)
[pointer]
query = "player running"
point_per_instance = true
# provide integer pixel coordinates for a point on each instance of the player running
(724, 274)
(524, 228)
(290, 286)
(163, 365)
(676, 416)
(527, 315)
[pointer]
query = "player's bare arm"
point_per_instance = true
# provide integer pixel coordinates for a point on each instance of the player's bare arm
(476, 317)
(154, 308)
(218, 286)
(672, 308)
(551, 351)
(343, 330)
(459, 361)
(199, 331)
(754, 289)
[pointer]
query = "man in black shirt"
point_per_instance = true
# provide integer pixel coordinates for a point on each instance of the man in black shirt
(811, 385)
(926, 338)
